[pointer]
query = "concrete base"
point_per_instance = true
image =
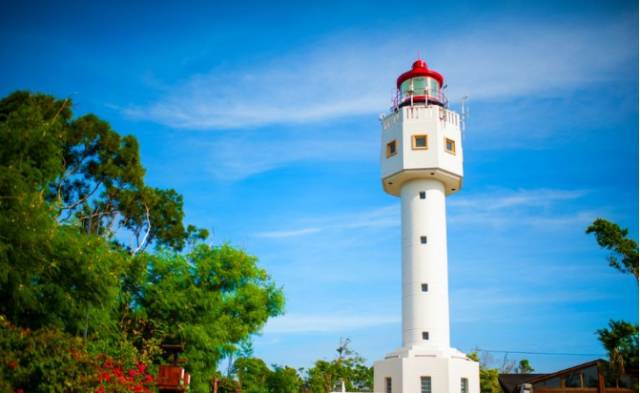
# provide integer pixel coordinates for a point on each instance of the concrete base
(446, 368)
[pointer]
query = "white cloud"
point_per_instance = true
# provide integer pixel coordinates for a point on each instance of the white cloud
(496, 208)
(382, 217)
(239, 156)
(296, 323)
(286, 234)
(537, 208)
(346, 76)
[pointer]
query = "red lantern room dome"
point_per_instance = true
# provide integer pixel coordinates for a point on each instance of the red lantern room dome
(420, 68)
(420, 85)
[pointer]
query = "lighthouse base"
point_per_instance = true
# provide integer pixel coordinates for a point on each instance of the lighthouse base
(403, 372)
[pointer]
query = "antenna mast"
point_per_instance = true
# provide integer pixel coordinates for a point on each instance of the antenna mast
(464, 113)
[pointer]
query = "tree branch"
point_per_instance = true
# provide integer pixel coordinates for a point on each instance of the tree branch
(146, 235)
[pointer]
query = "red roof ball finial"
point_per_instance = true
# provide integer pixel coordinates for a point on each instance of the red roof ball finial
(419, 68)
(419, 64)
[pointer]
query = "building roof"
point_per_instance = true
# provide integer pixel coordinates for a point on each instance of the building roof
(420, 68)
(510, 382)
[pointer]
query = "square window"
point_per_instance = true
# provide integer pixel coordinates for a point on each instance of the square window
(450, 145)
(425, 287)
(425, 384)
(387, 385)
(419, 142)
(464, 385)
(392, 149)
(425, 335)
(423, 239)
(423, 195)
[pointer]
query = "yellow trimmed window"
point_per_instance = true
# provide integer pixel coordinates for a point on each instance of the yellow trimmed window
(419, 142)
(450, 145)
(392, 148)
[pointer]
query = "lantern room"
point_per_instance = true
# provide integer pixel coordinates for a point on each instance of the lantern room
(420, 85)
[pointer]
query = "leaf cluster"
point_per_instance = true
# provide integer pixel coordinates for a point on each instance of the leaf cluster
(624, 251)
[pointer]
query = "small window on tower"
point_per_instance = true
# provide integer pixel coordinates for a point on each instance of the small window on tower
(423, 239)
(387, 383)
(423, 195)
(464, 385)
(450, 145)
(392, 149)
(419, 142)
(425, 384)
(425, 335)
(425, 287)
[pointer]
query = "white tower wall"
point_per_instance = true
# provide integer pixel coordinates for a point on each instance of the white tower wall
(424, 310)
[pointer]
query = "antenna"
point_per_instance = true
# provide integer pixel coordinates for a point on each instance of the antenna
(464, 113)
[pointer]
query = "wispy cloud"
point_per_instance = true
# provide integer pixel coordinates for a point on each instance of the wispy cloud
(492, 208)
(382, 217)
(502, 305)
(348, 75)
(503, 208)
(297, 323)
(286, 234)
(238, 156)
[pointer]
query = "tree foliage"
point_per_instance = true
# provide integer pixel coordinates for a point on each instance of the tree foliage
(621, 342)
(488, 376)
(524, 367)
(96, 260)
(348, 367)
(624, 251)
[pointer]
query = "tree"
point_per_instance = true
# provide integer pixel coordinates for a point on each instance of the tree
(524, 367)
(348, 366)
(284, 380)
(624, 255)
(252, 373)
(71, 190)
(621, 342)
(210, 300)
(488, 376)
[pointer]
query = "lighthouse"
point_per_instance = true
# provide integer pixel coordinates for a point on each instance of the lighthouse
(421, 163)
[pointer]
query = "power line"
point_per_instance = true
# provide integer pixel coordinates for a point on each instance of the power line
(540, 353)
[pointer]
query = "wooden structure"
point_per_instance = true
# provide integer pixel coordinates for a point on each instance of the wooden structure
(583, 378)
(173, 377)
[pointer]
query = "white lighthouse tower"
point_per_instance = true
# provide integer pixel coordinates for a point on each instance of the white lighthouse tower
(421, 161)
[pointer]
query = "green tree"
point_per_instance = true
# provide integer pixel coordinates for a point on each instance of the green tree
(624, 251)
(210, 299)
(524, 367)
(489, 382)
(284, 380)
(621, 342)
(252, 373)
(71, 189)
(348, 366)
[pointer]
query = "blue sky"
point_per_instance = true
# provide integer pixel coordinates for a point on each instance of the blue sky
(265, 117)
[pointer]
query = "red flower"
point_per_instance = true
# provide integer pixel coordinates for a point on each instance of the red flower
(133, 372)
(149, 378)
(100, 389)
(141, 367)
(13, 364)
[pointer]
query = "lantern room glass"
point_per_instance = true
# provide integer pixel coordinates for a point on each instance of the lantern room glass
(420, 86)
